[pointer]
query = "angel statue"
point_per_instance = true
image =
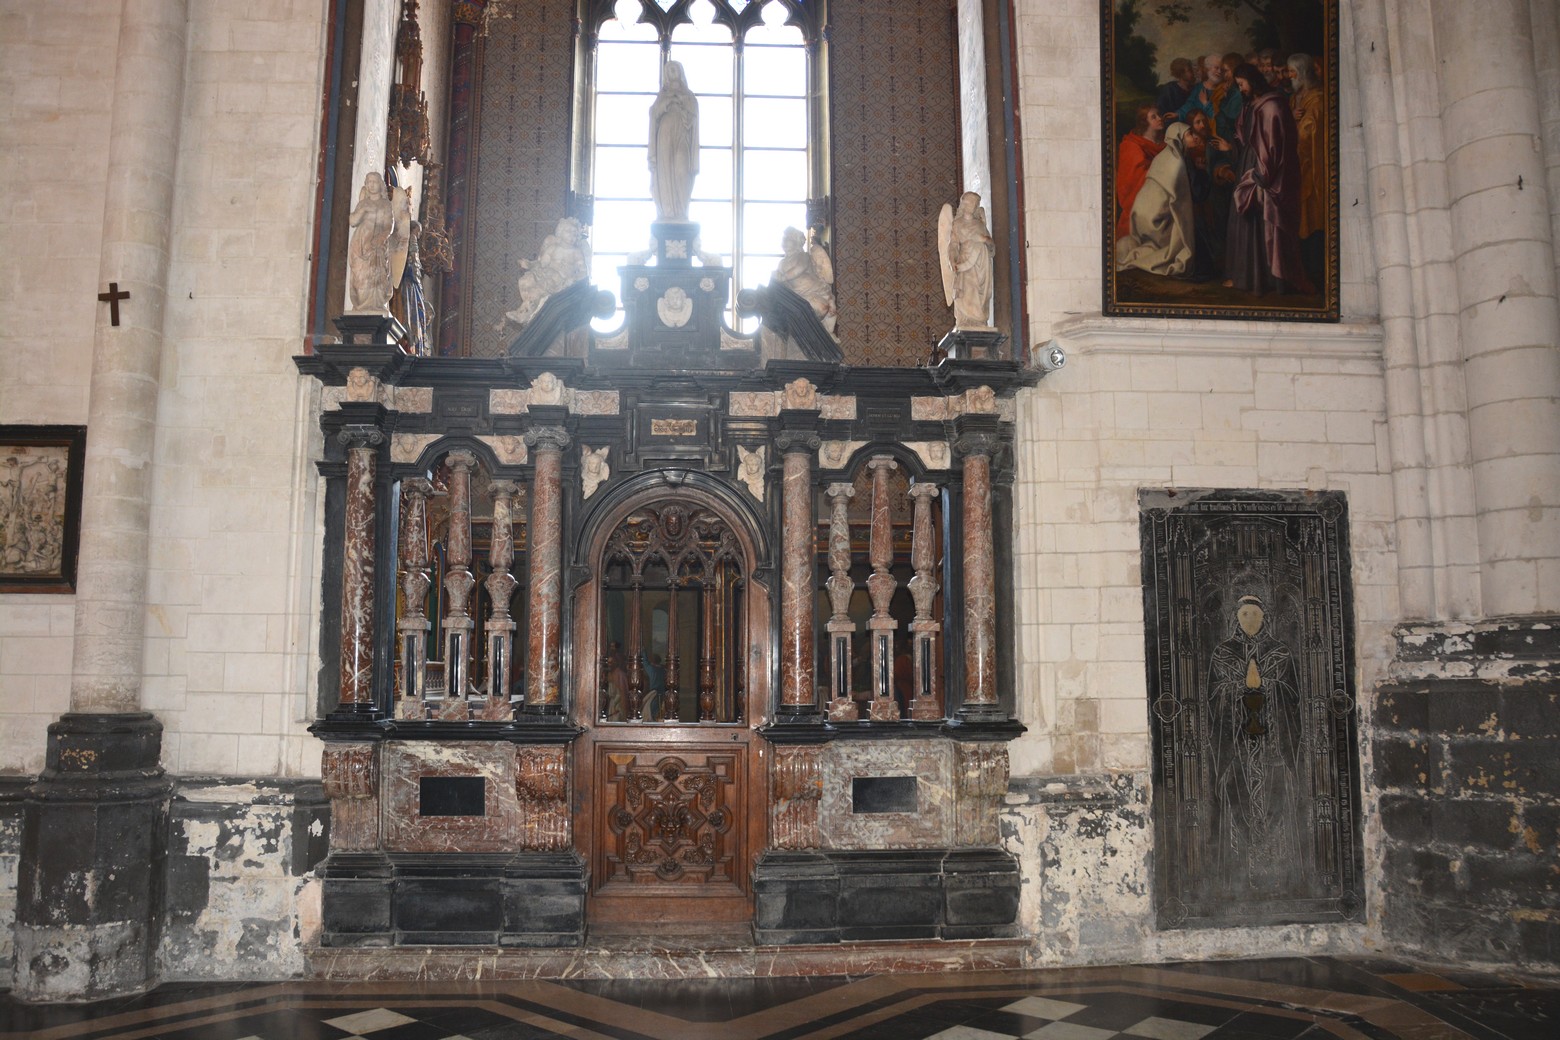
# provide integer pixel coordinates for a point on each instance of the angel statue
(563, 261)
(368, 260)
(807, 271)
(965, 250)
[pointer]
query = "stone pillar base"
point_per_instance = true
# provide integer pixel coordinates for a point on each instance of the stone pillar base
(90, 891)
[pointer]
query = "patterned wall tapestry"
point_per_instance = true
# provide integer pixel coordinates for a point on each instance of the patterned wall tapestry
(1248, 611)
(522, 161)
(896, 161)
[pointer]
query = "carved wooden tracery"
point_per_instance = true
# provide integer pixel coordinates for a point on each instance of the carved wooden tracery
(671, 559)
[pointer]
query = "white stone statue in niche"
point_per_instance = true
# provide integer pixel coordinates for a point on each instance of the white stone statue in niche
(593, 468)
(674, 144)
(965, 250)
(750, 470)
(563, 261)
(368, 260)
(807, 271)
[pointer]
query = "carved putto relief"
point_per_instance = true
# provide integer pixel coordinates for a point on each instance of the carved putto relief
(594, 470)
(750, 470)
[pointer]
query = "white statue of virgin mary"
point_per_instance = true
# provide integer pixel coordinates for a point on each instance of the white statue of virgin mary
(674, 144)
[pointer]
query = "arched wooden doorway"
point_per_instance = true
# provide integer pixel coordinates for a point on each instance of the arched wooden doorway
(672, 678)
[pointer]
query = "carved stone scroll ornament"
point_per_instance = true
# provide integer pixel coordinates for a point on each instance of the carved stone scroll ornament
(349, 774)
(541, 787)
(795, 789)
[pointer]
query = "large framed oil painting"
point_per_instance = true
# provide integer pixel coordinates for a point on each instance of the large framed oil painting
(1221, 158)
(40, 506)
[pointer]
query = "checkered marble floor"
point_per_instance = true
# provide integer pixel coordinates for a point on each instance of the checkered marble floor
(1279, 999)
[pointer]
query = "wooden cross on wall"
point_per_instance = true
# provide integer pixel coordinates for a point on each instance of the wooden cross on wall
(112, 298)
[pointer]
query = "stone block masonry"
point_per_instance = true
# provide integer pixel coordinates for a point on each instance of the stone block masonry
(1469, 770)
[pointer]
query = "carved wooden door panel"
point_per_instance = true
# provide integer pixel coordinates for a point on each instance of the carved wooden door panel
(671, 826)
(668, 796)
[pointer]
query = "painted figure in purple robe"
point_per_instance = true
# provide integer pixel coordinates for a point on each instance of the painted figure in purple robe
(1262, 242)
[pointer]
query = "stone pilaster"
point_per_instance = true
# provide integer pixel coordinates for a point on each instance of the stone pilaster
(1510, 316)
(458, 583)
(543, 665)
(94, 831)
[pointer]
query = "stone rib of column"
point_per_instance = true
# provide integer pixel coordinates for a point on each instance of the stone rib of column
(881, 587)
(926, 704)
(841, 628)
(501, 584)
(458, 583)
(413, 624)
(357, 570)
(980, 582)
(543, 673)
(798, 681)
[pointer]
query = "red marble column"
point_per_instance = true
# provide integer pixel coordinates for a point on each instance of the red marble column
(881, 586)
(980, 579)
(923, 589)
(357, 570)
(500, 627)
(843, 707)
(458, 583)
(543, 673)
(798, 681)
(414, 624)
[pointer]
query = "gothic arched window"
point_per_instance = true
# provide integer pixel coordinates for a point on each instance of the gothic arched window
(755, 67)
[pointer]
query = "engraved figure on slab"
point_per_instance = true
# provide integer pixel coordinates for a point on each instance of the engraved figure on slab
(563, 261)
(1254, 744)
(966, 249)
(674, 144)
(368, 261)
(808, 272)
(32, 514)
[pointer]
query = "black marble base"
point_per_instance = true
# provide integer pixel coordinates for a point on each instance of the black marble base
(90, 891)
(453, 899)
(827, 897)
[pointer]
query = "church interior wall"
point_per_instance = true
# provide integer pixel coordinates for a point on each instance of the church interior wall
(232, 618)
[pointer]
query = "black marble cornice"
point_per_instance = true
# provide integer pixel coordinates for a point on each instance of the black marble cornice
(331, 363)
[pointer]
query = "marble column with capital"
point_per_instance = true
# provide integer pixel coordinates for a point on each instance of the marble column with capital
(881, 587)
(543, 671)
(977, 449)
(798, 668)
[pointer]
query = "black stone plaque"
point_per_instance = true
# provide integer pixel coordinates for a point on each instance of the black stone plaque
(1248, 612)
(880, 794)
(452, 796)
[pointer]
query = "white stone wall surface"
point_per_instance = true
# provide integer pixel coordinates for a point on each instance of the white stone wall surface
(56, 102)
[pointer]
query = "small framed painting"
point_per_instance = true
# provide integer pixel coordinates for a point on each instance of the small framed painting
(1220, 132)
(40, 506)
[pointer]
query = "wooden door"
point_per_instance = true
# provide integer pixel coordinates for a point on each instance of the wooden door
(669, 789)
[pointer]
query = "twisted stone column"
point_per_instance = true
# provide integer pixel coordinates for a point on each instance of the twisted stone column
(543, 666)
